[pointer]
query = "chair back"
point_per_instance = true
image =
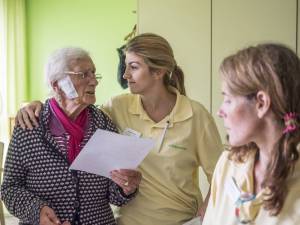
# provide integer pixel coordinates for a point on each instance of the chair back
(1, 159)
(11, 126)
(2, 219)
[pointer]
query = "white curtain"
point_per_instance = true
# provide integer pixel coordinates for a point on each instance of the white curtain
(13, 82)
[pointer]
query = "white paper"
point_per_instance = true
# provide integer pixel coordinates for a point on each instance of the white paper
(107, 151)
(195, 221)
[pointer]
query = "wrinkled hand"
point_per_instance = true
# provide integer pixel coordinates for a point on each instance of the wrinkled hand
(27, 116)
(128, 180)
(48, 217)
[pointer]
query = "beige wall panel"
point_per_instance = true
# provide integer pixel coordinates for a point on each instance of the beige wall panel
(239, 23)
(186, 25)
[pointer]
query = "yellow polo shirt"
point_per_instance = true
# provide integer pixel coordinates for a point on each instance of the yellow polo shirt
(222, 204)
(169, 192)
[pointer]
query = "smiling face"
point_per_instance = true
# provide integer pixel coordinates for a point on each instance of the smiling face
(240, 118)
(138, 75)
(86, 86)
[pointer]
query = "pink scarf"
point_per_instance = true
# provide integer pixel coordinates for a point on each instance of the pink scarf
(74, 128)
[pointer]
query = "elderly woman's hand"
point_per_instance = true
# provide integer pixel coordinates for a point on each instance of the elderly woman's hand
(48, 217)
(128, 180)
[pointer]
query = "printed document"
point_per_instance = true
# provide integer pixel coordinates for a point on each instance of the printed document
(107, 151)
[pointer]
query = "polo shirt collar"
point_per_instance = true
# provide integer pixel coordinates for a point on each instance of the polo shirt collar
(181, 111)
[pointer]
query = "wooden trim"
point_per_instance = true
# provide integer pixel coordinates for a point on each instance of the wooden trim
(11, 125)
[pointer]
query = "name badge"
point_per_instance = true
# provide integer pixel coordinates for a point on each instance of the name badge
(131, 132)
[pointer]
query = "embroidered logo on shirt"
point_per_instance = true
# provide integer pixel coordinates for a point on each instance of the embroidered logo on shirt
(177, 147)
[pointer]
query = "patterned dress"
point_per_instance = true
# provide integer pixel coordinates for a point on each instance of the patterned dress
(37, 174)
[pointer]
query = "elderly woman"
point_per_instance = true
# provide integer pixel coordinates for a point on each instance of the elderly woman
(186, 134)
(38, 186)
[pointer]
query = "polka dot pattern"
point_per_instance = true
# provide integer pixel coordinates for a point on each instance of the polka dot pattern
(37, 174)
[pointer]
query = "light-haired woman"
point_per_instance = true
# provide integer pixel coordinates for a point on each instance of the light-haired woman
(257, 181)
(38, 187)
(186, 134)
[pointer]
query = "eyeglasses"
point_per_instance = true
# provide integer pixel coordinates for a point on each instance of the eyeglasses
(85, 75)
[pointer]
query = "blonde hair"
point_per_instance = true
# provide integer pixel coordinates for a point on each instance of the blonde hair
(158, 54)
(275, 69)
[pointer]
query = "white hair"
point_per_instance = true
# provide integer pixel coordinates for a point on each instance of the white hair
(59, 62)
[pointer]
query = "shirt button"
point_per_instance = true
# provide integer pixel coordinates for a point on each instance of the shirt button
(75, 180)
(76, 204)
